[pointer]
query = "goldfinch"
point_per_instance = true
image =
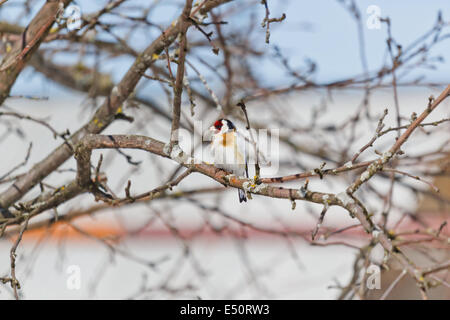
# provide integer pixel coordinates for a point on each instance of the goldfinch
(225, 151)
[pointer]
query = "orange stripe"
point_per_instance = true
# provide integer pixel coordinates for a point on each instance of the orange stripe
(100, 229)
(61, 230)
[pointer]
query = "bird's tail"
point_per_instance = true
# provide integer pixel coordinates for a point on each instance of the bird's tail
(242, 196)
(5, 213)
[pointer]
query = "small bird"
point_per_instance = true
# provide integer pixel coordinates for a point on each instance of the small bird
(226, 152)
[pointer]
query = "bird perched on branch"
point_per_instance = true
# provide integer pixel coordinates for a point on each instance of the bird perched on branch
(227, 152)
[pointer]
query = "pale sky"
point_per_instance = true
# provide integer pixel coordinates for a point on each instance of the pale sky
(319, 30)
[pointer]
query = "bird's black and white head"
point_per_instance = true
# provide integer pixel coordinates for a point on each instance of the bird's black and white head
(222, 126)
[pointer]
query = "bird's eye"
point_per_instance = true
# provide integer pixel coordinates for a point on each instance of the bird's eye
(218, 124)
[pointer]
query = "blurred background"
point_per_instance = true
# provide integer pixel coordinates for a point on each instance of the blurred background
(329, 71)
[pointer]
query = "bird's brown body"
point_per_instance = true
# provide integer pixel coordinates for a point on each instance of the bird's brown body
(225, 151)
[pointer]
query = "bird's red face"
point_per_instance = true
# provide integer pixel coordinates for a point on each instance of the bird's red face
(223, 126)
(218, 125)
